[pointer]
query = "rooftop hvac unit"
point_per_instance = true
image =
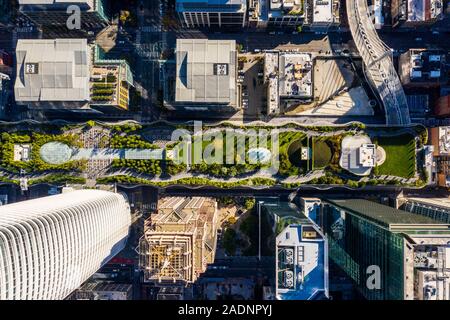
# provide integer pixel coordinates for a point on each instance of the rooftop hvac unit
(288, 279)
(289, 256)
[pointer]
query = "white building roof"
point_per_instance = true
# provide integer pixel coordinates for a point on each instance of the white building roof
(323, 11)
(206, 71)
(52, 70)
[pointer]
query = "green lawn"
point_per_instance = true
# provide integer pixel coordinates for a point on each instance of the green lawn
(321, 153)
(400, 156)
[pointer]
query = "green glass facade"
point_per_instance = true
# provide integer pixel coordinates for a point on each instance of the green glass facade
(356, 243)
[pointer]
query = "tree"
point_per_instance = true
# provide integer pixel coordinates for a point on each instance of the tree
(249, 203)
(124, 15)
(90, 124)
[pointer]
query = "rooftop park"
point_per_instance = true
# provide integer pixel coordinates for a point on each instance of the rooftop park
(401, 156)
(35, 164)
(303, 155)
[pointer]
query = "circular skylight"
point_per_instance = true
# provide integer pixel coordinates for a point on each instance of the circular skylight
(259, 155)
(55, 153)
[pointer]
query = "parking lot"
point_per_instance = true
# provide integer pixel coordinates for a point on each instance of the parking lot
(250, 77)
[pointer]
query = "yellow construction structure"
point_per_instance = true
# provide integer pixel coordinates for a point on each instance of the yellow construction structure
(179, 240)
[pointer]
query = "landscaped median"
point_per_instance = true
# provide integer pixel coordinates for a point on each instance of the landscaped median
(193, 181)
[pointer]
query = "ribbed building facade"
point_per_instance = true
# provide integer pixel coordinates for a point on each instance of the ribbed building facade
(50, 246)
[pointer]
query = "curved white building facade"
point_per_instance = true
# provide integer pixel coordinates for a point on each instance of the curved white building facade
(50, 246)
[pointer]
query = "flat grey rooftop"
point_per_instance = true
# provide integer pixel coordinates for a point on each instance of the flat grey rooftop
(206, 71)
(52, 70)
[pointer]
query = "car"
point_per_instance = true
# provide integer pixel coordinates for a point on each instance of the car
(272, 32)
(257, 50)
(260, 74)
(121, 42)
(280, 32)
(294, 32)
(245, 94)
(418, 39)
(435, 32)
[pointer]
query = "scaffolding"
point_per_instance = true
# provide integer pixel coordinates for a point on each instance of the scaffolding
(179, 241)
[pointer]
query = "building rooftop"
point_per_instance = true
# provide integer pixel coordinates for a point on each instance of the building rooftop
(384, 215)
(422, 65)
(211, 5)
(443, 203)
(289, 7)
(302, 266)
(206, 71)
(444, 140)
(181, 236)
(295, 74)
(323, 11)
(52, 70)
(424, 10)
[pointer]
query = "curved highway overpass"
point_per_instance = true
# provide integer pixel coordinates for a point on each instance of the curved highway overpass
(379, 68)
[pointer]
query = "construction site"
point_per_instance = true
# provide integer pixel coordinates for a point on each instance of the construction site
(179, 241)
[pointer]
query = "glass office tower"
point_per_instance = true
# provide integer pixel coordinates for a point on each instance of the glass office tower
(363, 234)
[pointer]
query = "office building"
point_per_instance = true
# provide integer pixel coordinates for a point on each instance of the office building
(316, 14)
(398, 12)
(4, 94)
(50, 246)
(206, 74)
(440, 141)
(178, 241)
(53, 74)
(286, 13)
(212, 13)
(422, 68)
(435, 208)
(424, 11)
(110, 83)
(301, 254)
(442, 108)
(408, 253)
(52, 14)
(288, 76)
